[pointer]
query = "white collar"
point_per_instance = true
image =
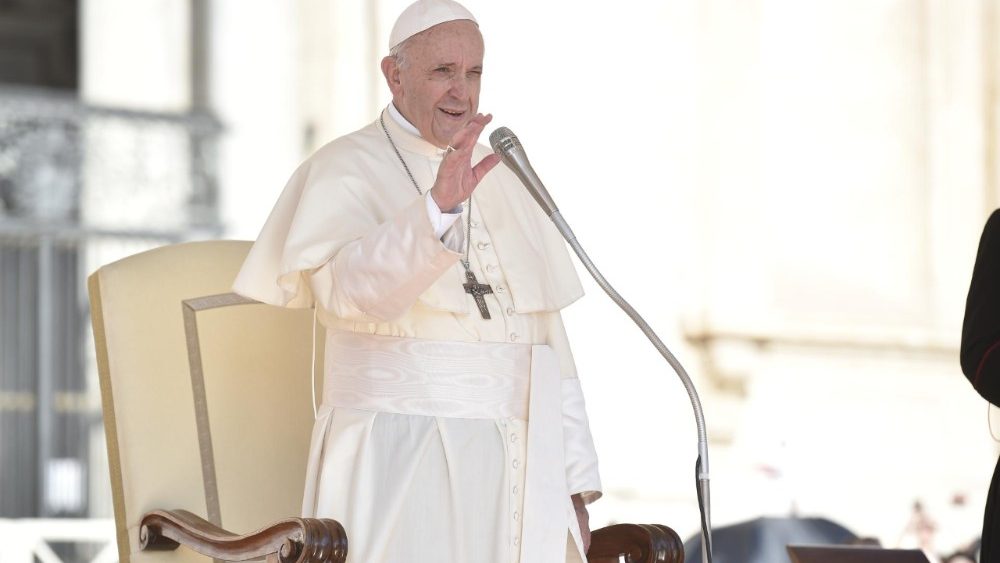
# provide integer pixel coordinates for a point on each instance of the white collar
(402, 121)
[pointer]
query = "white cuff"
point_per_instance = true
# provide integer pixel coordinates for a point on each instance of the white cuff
(582, 475)
(440, 220)
(444, 223)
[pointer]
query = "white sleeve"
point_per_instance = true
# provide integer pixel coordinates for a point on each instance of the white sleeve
(582, 475)
(380, 276)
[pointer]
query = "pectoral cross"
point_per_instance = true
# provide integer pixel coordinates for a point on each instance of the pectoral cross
(477, 290)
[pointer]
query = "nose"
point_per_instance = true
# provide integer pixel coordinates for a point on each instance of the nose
(459, 85)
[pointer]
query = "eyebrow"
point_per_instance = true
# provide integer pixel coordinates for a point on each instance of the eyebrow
(452, 65)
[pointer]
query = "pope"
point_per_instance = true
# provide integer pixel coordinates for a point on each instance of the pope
(452, 426)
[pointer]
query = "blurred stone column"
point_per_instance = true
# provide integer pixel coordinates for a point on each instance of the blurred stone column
(136, 55)
(991, 55)
(252, 58)
(960, 80)
(341, 48)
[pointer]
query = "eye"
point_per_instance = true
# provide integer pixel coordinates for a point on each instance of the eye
(475, 73)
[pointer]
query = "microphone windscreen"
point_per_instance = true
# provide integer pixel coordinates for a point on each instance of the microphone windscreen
(503, 140)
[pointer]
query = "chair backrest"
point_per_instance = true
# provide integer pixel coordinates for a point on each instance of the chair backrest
(206, 397)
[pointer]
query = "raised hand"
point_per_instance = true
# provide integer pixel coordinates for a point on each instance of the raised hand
(457, 178)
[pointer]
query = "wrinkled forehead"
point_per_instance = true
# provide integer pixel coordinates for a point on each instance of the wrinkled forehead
(459, 40)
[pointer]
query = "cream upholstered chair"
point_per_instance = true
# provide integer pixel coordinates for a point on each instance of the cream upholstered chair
(207, 408)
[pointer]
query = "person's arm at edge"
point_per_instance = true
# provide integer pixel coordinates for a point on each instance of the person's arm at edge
(979, 354)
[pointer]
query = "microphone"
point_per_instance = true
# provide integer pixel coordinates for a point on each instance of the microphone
(505, 144)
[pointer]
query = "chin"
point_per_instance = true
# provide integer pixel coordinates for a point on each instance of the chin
(446, 135)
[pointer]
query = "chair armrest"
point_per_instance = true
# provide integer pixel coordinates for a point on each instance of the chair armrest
(639, 543)
(295, 540)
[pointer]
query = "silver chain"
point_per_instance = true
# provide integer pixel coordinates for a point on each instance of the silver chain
(381, 121)
(468, 230)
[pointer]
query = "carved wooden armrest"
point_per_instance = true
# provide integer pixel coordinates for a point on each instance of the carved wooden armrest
(296, 540)
(639, 543)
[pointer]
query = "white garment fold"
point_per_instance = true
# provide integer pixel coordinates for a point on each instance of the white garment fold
(511, 383)
(354, 184)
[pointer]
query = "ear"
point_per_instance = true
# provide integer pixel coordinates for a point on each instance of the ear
(391, 72)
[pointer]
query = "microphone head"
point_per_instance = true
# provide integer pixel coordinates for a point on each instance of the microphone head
(505, 144)
(503, 140)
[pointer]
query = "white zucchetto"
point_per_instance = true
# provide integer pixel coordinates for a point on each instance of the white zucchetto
(425, 14)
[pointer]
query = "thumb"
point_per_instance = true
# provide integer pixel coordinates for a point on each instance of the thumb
(485, 165)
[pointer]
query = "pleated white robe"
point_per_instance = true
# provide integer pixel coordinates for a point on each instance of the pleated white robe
(351, 235)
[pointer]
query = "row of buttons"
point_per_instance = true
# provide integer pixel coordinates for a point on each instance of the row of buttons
(493, 269)
(513, 427)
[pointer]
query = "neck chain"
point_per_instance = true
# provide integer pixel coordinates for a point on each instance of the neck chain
(472, 286)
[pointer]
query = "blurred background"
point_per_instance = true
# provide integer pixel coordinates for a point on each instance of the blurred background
(790, 191)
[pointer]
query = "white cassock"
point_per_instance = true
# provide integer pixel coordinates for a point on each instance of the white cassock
(442, 437)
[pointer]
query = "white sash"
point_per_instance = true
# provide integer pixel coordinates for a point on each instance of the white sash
(468, 380)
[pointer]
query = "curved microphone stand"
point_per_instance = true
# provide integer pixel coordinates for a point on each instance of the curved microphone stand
(506, 144)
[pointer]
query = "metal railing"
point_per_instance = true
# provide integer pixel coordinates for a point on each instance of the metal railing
(80, 186)
(25, 540)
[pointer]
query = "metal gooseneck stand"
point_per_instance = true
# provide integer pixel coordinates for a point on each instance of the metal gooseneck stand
(506, 144)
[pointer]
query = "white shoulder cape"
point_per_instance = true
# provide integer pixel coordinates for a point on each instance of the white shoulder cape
(355, 183)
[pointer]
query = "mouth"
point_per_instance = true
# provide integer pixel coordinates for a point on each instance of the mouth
(452, 113)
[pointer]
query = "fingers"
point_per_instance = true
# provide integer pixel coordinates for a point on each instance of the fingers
(456, 177)
(463, 143)
(467, 136)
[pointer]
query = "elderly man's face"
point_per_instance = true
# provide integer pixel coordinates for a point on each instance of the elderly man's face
(437, 86)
